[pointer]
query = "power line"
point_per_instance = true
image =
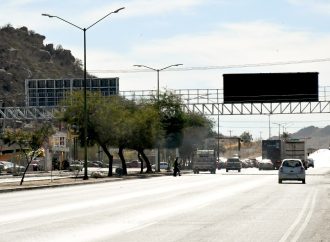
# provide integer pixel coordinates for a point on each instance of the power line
(204, 68)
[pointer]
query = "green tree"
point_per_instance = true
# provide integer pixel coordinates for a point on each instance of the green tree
(101, 123)
(117, 122)
(145, 130)
(246, 137)
(285, 135)
(172, 119)
(29, 141)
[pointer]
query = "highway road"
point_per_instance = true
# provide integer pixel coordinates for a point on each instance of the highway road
(246, 206)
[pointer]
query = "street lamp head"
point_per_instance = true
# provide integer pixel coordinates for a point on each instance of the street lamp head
(138, 65)
(116, 11)
(47, 15)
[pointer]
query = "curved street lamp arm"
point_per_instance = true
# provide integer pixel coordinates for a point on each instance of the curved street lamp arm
(53, 16)
(170, 66)
(116, 11)
(146, 67)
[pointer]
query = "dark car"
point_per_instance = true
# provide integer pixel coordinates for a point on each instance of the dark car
(133, 164)
(233, 163)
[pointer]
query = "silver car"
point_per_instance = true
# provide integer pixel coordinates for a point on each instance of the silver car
(291, 169)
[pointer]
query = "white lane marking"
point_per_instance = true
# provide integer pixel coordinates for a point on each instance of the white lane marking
(307, 219)
(297, 221)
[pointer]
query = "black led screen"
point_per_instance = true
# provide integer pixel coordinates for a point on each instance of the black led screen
(270, 87)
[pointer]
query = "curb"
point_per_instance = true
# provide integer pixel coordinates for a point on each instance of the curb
(85, 182)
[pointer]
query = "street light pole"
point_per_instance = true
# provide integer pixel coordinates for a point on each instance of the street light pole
(85, 80)
(279, 129)
(158, 70)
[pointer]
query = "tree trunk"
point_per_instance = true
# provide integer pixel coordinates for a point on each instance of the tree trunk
(122, 158)
(110, 157)
(28, 164)
(23, 176)
(145, 158)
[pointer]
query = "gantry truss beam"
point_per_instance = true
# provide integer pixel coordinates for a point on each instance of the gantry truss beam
(28, 113)
(259, 108)
(205, 101)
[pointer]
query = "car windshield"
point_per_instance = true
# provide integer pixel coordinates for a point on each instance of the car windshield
(292, 163)
(233, 160)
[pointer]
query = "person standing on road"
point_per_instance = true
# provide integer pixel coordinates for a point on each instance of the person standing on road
(176, 168)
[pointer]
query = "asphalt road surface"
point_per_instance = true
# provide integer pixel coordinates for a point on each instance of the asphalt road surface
(246, 206)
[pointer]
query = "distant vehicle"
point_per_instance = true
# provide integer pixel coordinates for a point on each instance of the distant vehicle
(204, 160)
(233, 163)
(254, 162)
(162, 165)
(310, 162)
(133, 164)
(272, 150)
(247, 163)
(277, 150)
(221, 163)
(76, 165)
(296, 149)
(35, 165)
(11, 167)
(2, 166)
(292, 169)
(266, 164)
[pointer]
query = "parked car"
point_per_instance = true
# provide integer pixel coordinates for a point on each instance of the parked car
(76, 165)
(233, 163)
(133, 164)
(266, 164)
(310, 162)
(292, 169)
(11, 167)
(163, 165)
(36, 165)
(2, 166)
(95, 164)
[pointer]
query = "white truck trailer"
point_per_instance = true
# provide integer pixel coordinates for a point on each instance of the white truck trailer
(204, 160)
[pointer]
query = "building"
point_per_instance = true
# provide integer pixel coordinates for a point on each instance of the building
(48, 92)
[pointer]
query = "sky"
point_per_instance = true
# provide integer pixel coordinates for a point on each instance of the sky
(209, 37)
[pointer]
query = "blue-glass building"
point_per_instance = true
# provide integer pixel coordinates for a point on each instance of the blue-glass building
(48, 92)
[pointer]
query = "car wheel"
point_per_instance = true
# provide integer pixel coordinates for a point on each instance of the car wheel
(226, 170)
(239, 170)
(303, 181)
(279, 181)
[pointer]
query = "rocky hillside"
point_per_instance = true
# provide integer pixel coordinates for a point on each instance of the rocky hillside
(23, 55)
(317, 138)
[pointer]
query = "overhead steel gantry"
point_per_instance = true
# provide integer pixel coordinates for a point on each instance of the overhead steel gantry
(205, 101)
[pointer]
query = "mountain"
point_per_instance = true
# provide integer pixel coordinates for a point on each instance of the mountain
(23, 55)
(317, 138)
